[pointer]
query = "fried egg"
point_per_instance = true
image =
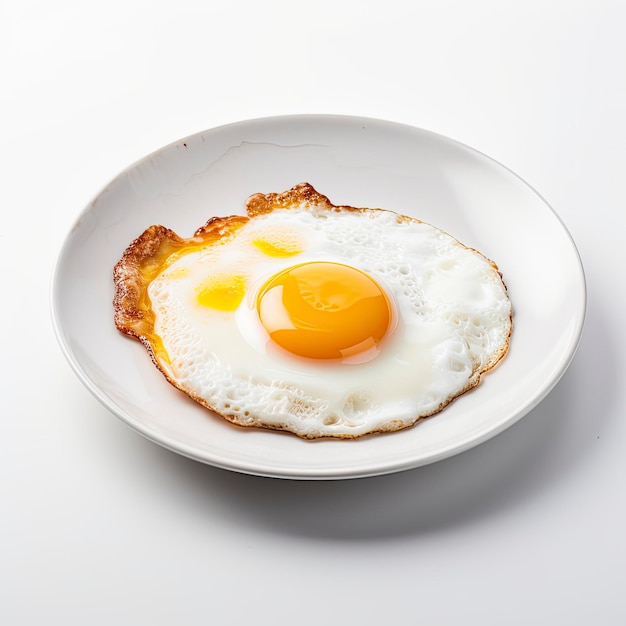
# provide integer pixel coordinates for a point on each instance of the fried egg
(320, 320)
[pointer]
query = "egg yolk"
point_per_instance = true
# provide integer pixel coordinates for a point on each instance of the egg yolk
(324, 310)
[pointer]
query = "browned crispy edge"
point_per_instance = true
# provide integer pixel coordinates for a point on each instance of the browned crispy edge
(133, 273)
(301, 194)
(131, 314)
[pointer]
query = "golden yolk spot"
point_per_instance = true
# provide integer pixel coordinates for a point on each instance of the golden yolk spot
(279, 244)
(324, 310)
(222, 292)
(179, 272)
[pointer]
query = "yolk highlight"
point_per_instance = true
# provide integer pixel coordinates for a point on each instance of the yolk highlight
(324, 310)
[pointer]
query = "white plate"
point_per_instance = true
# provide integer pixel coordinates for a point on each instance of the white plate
(355, 161)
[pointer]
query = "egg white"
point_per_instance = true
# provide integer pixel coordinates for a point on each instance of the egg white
(452, 320)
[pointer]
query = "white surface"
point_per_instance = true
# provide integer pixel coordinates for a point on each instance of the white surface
(383, 165)
(101, 526)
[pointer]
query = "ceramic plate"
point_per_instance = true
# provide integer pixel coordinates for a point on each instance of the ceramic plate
(354, 161)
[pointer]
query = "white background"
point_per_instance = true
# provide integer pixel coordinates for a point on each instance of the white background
(101, 526)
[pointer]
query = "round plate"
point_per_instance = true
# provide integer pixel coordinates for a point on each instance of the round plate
(354, 161)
